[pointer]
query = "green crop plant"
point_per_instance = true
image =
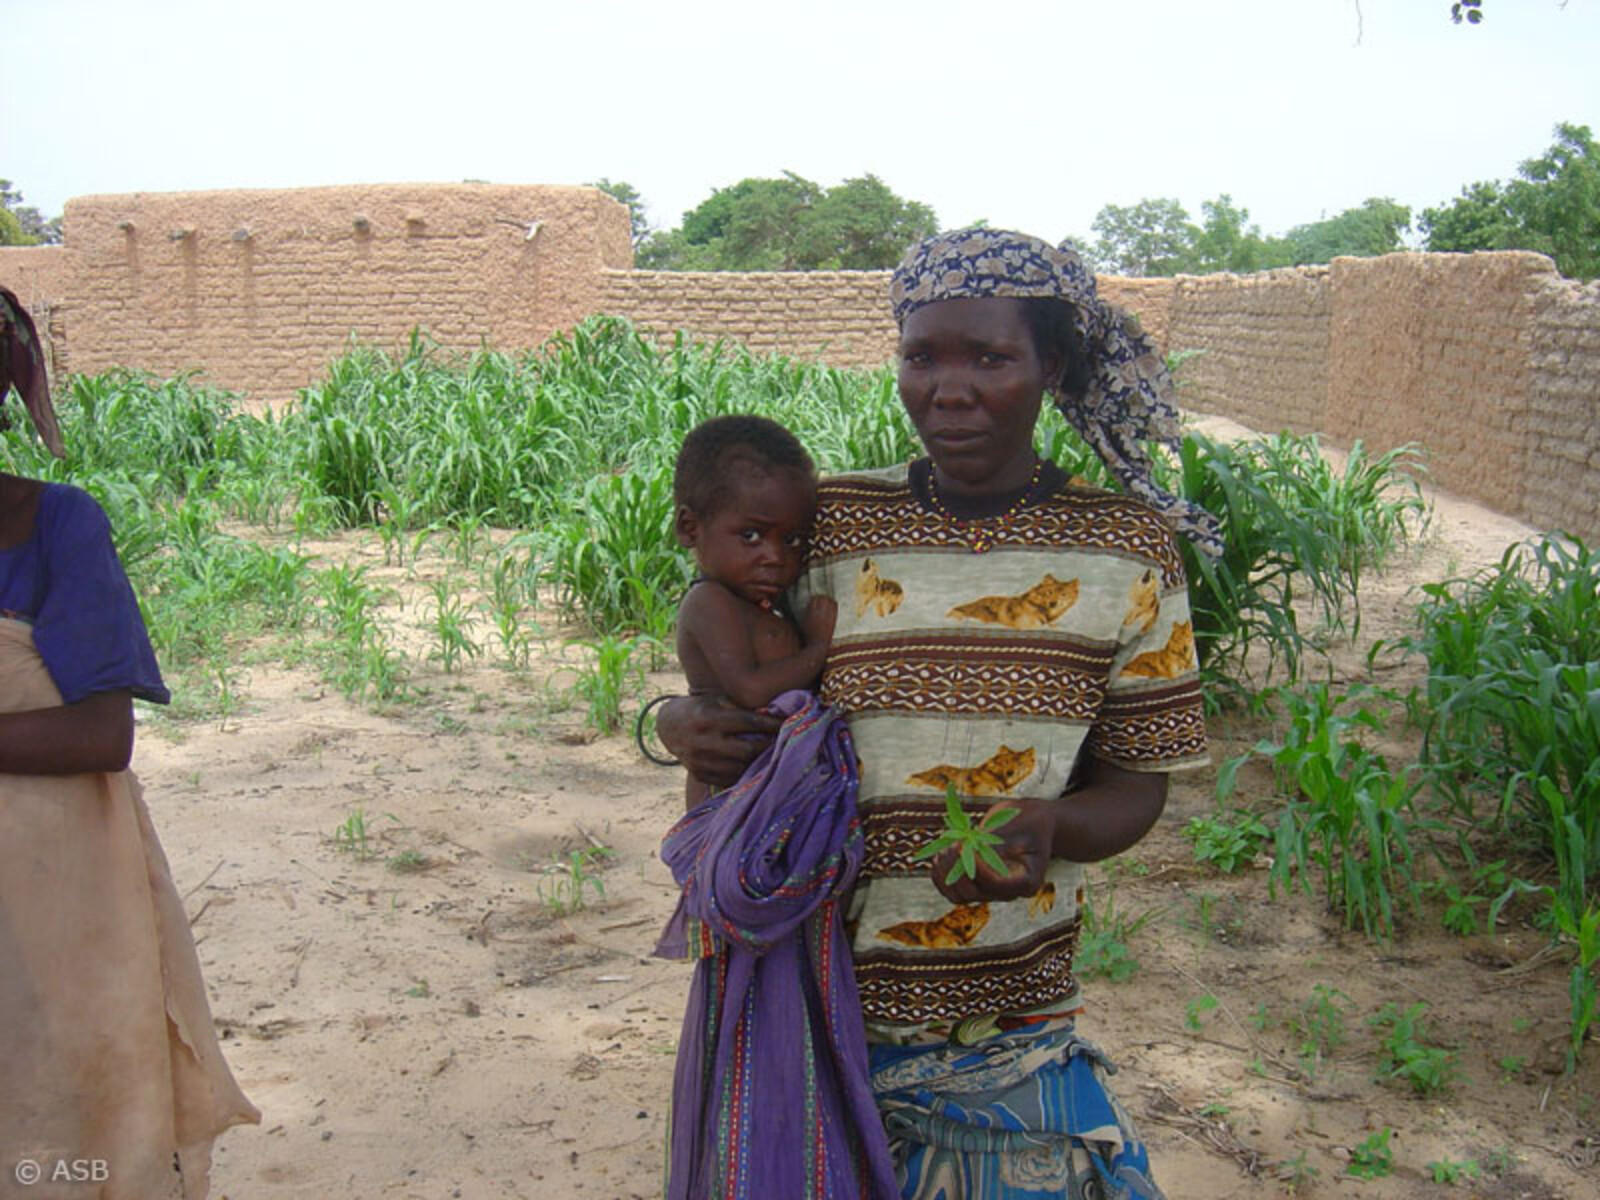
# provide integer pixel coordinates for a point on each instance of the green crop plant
(1369, 508)
(1404, 1052)
(612, 558)
(1372, 1158)
(1103, 942)
(972, 840)
(1273, 554)
(1318, 1024)
(1451, 1171)
(452, 628)
(1347, 815)
(1229, 840)
(564, 886)
(612, 676)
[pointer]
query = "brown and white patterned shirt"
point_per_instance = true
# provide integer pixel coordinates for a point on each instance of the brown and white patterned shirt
(993, 672)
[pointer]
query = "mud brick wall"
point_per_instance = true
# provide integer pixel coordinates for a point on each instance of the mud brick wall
(1433, 348)
(261, 289)
(1561, 464)
(1261, 346)
(38, 277)
(838, 317)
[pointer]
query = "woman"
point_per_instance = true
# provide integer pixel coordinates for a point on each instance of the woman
(113, 1083)
(1026, 644)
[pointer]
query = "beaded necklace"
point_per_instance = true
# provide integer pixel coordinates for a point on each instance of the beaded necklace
(980, 540)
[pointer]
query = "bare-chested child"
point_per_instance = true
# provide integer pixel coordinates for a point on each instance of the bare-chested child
(745, 489)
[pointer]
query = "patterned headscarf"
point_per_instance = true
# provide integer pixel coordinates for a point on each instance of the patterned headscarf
(22, 367)
(1130, 396)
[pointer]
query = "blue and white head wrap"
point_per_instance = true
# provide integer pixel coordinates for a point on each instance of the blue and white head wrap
(1130, 398)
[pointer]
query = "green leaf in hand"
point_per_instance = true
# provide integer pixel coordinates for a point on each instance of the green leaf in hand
(974, 841)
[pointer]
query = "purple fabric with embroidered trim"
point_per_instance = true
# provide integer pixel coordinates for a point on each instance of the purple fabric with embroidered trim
(771, 1095)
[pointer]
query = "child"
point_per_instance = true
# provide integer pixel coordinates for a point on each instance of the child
(109, 1058)
(770, 1094)
(745, 490)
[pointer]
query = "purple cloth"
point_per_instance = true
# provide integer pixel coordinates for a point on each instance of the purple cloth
(67, 582)
(771, 1098)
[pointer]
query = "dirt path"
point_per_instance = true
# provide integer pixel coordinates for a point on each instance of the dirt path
(441, 1033)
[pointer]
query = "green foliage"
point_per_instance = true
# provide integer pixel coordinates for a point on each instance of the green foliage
(626, 193)
(605, 683)
(973, 840)
(1374, 227)
(1450, 1171)
(21, 224)
(1404, 1052)
(1156, 237)
(1319, 1025)
(1513, 697)
(1275, 550)
(1372, 1158)
(1152, 237)
(1105, 934)
(1347, 816)
(792, 224)
(565, 885)
(1228, 841)
(1552, 207)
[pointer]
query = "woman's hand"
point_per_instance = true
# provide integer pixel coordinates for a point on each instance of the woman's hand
(1025, 845)
(713, 737)
(1111, 810)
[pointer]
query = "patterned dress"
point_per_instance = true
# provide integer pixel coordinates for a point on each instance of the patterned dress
(991, 673)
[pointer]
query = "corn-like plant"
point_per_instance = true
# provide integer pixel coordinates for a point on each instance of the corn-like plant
(1347, 815)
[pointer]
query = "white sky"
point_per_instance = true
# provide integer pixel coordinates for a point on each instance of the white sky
(1031, 115)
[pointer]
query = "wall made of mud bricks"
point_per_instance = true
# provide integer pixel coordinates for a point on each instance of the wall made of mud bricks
(1259, 346)
(1561, 452)
(261, 289)
(38, 276)
(837, 317)
(1433, 349)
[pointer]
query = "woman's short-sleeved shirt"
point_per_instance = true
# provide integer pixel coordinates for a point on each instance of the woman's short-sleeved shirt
(66, 581)
(991, 673)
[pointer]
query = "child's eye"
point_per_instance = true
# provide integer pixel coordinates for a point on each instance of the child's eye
(993, 358)
(795, 541)
(750, 537)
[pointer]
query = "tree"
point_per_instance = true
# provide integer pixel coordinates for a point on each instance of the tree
(1152, 237)
(626, 193)
(1553, 208)
(791, 224)
(1375, 227)
(21, 224)
(1225, 243)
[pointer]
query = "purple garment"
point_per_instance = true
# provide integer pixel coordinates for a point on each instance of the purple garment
(771, 1098)
(67, 582)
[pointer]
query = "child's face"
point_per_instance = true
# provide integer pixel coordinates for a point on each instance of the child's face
(755, 542)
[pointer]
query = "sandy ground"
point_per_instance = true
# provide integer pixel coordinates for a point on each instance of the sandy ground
(444, 1033)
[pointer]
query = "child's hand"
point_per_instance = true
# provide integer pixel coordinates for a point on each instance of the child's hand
(817, 625)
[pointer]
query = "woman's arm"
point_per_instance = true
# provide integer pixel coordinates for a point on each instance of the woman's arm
(95, 734)
(1113, 809)
(713, 737)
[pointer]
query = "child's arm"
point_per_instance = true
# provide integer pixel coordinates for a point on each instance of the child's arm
(713, 624)
(95, 734)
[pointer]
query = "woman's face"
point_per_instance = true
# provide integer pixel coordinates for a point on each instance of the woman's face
(972, 382)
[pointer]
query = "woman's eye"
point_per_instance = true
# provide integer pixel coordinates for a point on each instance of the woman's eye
(993, 358)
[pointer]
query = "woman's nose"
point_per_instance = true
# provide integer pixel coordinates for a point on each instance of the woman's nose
(952, 389)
